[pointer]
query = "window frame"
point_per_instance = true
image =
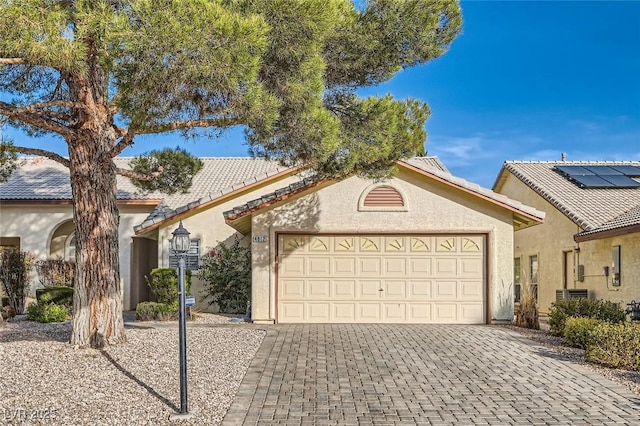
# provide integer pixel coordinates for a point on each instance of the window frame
(533, 275)
(517, 278)
(191, 257)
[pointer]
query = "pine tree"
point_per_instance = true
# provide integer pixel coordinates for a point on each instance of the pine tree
(98, 73)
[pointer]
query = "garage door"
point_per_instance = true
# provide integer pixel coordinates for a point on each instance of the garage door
(381, 279)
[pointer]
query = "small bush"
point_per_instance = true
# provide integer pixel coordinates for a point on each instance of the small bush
(154, 311)
(56, 272)
(527, 311)
(615, 345)
(47, 312)
(15, 266)
(585, 308)
(577, 331)
(57, 295)
(164, 285)
(7, 312)
(227, 276)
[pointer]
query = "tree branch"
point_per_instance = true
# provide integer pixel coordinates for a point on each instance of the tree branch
(42, 105)
(139, 176)
(35, 119)
(127, 140)
(42, 153)
(12, 61)
(187, 124)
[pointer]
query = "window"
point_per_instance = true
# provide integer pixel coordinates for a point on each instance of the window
(70, 247)
(615, 265)
(516, 279)
(533, 274)
(9, 243)
(191, 258)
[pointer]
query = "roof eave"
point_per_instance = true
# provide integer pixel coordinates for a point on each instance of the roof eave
(141, 229)
(66, 201)
(239, 221)
(525, 218)
(599, 235)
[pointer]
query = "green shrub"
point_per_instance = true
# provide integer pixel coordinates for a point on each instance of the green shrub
(58, 295)
(15, 266)
(615, 345)
(577, 331)
(47, 312)
(588, 308)
(154, 311)
(164, 285)
(227, 276)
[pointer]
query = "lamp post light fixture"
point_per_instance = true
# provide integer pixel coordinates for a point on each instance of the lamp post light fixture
(180, 244)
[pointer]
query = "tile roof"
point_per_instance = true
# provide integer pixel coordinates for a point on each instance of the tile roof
(427, 163)
(43, 179)
(627, 219)
(218, 177)
(593, 209)
(430, 165)
(39, 178)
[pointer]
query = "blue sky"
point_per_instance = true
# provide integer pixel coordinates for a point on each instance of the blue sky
(524, 81)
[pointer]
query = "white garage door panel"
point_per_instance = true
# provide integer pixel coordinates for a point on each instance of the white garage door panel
(318, 289)
(395, 312)
(343, 312)
(344, 289)
(381, 278)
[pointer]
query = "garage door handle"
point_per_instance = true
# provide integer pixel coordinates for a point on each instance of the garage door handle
(381, 289)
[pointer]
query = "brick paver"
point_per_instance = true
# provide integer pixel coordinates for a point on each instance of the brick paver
(360, 374)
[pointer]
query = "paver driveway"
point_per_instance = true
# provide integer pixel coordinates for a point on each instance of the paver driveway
(420, 374)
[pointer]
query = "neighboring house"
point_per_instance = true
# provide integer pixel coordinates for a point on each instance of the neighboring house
(590, 239)
(36, 214)
(423, 246)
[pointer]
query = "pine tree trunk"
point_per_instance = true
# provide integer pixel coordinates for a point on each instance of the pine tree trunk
(97, 319)
(97, 300)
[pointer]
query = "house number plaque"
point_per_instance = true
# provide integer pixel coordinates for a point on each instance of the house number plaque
(259, 239)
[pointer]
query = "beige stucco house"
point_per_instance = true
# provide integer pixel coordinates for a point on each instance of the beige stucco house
(423, 246)
(36, 215)
(590, 240)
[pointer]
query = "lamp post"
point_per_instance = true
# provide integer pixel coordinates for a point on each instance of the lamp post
(180, 244)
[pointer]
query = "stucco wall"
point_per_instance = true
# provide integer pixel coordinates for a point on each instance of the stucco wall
(38, 229)
(432, 207)
(555, 236)
(548, 241)
(596, 254)
(210, 228)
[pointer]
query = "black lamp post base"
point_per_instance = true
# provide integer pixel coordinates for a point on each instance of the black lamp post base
(181, 416)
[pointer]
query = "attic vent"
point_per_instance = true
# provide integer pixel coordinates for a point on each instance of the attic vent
(383, 196)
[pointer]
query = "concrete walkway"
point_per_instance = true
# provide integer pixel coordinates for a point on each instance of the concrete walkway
(420, 374)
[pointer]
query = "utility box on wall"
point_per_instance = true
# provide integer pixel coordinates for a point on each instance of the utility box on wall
(581, 273)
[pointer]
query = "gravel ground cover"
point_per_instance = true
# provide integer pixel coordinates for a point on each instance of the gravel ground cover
(630, 379)
(44, 380)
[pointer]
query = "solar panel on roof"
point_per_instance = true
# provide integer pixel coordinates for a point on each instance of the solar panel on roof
(603, 170)
(592, 181)
(628, 170)
(600, 176)
(574, 170)
(620, 181)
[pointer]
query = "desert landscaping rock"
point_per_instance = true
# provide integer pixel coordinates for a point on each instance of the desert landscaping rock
(138, 383)
(134, 384)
